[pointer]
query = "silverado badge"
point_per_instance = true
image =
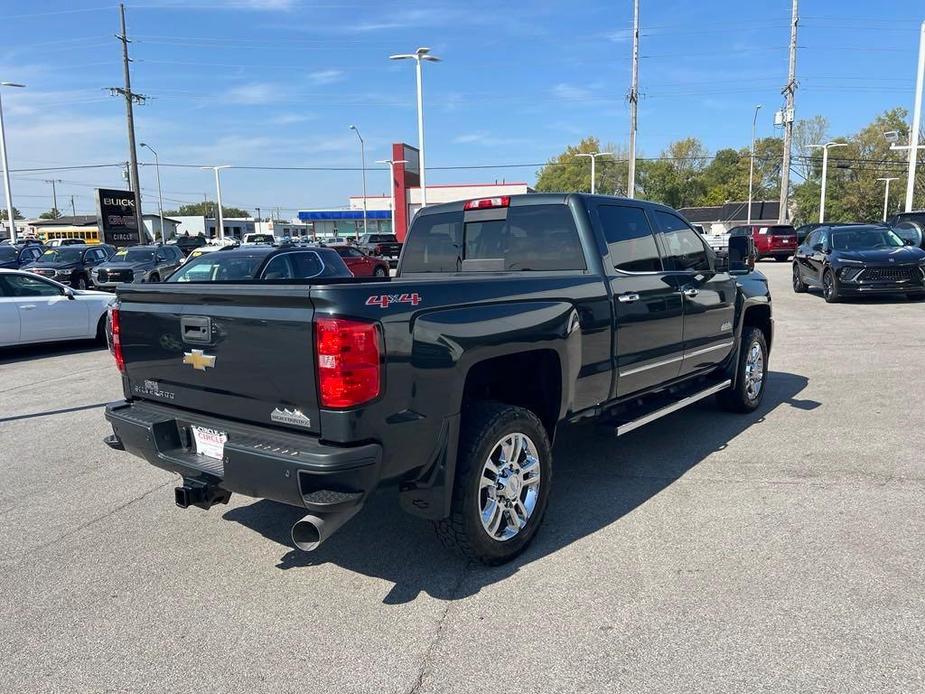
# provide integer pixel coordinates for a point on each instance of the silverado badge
(199, 360)
(294, 418)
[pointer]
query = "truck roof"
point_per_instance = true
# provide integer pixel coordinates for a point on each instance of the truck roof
(522, 199)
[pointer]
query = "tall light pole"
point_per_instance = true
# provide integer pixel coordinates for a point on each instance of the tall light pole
(160, 197)
(593, 156)
(886, 194)
(392, 164)
(634, 103)
(913, 145)
(6, 166)
(363, 164)
(751, 164)
(220, 219)
(418, 56)
(825, 168)
(54, 195)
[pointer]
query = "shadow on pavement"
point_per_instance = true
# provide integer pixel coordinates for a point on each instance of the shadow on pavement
(49, 413)
(898, 298)
(605, 477)
(10, 355)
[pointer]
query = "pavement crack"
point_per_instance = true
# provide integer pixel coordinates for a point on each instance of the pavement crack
(438, 634)
(90, 522)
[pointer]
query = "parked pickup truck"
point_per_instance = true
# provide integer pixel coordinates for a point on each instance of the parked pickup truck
(508, 317)
(385, 246)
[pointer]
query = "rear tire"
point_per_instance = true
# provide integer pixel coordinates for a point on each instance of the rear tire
(154, 278)
(101, 329)
(799, 286)
(781, 258)
(81, 283)
(751, 374)
(380, 272)
(830, 287)
(491, 494)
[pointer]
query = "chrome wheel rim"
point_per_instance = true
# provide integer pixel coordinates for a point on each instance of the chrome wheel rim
(754, 371)
(796, 277)
(509, 486)
(827, 285)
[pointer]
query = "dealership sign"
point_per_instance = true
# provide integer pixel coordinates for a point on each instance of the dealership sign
(115, 212)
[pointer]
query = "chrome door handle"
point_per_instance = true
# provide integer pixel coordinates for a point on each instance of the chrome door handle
(691, 292)
(27, 307)
(628, 298)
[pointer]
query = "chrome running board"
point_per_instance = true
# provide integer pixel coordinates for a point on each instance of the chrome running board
(627, 427)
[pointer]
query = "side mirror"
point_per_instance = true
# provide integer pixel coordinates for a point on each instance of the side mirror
(721, 262)
(69, 293)
(908, 242)
(741, 255)
(818, 248)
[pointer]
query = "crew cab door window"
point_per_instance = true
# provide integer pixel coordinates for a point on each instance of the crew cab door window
(279, 268)
(629, 238)
(684, 246)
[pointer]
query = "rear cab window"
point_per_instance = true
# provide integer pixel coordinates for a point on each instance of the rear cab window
(539, 237)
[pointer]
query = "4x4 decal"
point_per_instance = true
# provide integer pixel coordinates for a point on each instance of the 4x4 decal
(386, 300)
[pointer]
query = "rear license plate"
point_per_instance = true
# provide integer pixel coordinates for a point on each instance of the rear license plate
(209, 442)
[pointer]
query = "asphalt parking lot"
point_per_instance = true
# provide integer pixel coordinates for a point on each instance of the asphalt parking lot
(779, 551)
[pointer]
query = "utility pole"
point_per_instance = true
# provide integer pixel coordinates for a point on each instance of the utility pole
(788, 92)
(73, 208)
(751, 165)
(130, 99)
(54, 196)
(259, 226)
(634, 102)
(886, 194)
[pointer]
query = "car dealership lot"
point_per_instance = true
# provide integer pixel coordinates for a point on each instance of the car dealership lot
(709, 551)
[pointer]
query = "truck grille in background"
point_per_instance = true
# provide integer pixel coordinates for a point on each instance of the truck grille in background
(102, 276)
(890, 274)
(44, 272)
(117, 275)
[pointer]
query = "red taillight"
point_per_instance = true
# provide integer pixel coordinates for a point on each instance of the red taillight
(115, 339)
(348, 356)
(487, 203)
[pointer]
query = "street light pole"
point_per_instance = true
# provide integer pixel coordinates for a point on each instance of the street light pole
(6, 166)
(886, 194)
(220, 219)
(419, 55)
(392, 164)
(751, 164)
(593, 156)
(825, 167)
(363, 164)
(160, 197)
(916, 121)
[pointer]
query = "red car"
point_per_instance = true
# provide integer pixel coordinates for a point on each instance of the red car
(778, 241)
(360, 264)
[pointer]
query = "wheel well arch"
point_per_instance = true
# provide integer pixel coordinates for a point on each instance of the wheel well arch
(759, 316)
(531, 379)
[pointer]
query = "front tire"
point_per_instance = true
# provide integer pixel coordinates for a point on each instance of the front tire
(830, 287)
(502, 483)
(380, 272)
(751, 374)
(799, 286)
(154, 278)
(81, 283)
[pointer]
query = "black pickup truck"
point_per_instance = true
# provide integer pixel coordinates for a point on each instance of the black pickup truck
(508, 317)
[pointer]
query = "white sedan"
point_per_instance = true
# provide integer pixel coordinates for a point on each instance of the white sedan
(36, 309)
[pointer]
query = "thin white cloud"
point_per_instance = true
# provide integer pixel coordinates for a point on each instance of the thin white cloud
(253, 93)
(619, 36)
(326, 76)
(485, 139)
(570, 92)
(291, 118)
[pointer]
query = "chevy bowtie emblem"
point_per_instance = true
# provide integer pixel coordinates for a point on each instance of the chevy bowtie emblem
(199, 360)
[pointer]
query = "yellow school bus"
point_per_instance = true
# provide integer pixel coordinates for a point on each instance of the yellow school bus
(88, 235)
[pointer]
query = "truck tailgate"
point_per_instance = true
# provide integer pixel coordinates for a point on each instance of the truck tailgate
(240, 351)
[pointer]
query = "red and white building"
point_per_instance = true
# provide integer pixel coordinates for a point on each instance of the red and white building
(406, 188)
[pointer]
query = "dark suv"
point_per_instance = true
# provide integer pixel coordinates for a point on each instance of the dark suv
(910, 227)
(188, 244)
(385, 246)
(138, 264)
(71, 265)
(15, 256)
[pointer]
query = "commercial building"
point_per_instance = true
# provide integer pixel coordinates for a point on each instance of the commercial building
(406, 191)
(718, 219)
(86, 227)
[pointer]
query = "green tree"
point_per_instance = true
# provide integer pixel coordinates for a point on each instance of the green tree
(206, 209)
(53, 213)
(16, 214)
(569, 173)
(676, 177)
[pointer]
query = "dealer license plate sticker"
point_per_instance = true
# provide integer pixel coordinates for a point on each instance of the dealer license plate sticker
(209, 442)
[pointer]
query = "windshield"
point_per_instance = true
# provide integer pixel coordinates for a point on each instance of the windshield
(130, 255)
(219, 267)
(62, 255)
(864, 239)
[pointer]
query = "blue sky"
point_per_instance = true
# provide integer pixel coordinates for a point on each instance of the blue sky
(278, 82)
